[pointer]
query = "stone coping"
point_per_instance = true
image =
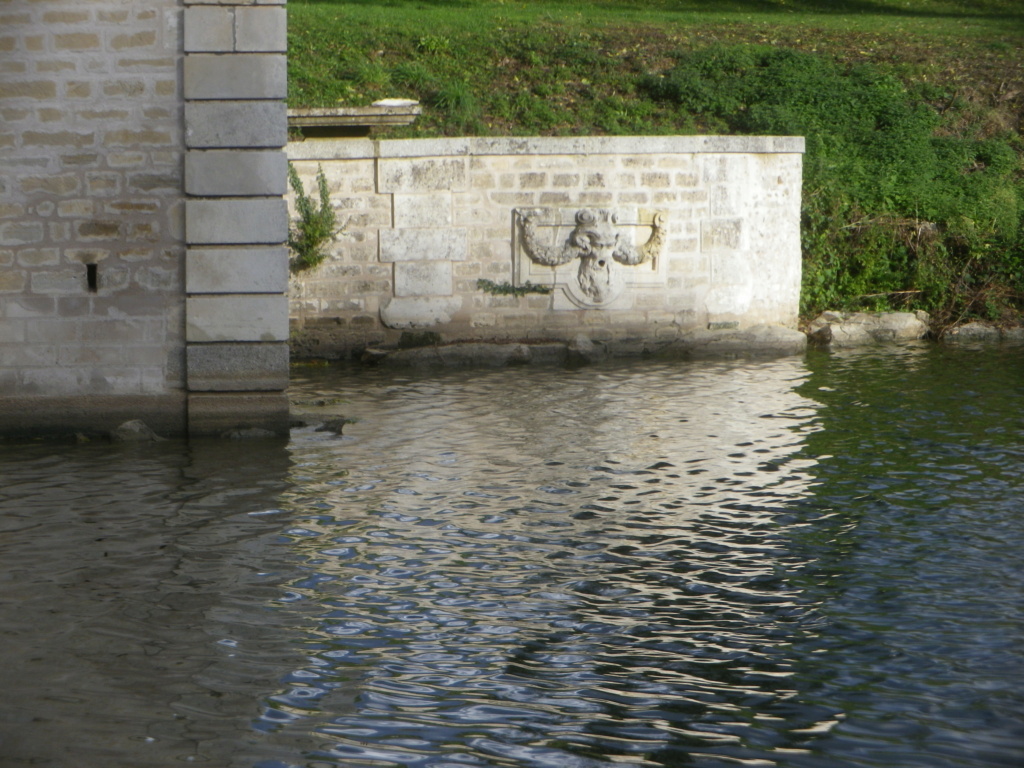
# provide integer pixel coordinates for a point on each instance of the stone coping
(361, 148)
(398, 113)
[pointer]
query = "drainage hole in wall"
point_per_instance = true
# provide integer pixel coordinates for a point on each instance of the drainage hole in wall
(92, 277)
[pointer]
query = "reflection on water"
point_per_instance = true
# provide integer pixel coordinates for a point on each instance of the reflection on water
(550, 568)
(791, 563)
(128, 575)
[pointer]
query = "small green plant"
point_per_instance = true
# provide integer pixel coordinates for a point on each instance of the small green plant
(457, 101)
(434, 44)
(507, 289)
(316, 224)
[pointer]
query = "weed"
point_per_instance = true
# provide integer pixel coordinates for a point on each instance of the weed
(434, 45)
(316, 224)
(507, 289)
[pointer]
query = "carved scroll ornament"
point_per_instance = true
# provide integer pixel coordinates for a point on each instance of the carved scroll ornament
(598, 242)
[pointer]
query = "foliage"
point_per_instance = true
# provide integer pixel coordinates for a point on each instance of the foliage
(316, 224)
(507, 289)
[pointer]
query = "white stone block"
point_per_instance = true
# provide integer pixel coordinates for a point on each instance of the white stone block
(236, 76)
(261, 29)
(236, 221)
(423, 245)
(420, 148)
(721, 234)
(430, 210)
(428, 174)
(210, 124)
(209, 28)
(236, 173)
(423, 278)
(404, 313)
(251, 317)
(236, 269)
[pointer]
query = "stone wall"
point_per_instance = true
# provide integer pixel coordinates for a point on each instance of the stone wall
(129, 147)
(697, 233)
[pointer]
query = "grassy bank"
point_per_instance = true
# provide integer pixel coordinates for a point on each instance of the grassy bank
(913, 108)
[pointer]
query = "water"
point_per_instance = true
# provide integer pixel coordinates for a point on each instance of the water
(801, 562)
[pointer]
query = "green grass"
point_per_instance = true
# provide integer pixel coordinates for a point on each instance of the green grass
(918, 206)
(571, 68)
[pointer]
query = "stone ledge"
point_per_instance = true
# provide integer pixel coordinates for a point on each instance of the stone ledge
(391, 112)
(217, 414)
(757, 341)
(62, 418)
(547, 145)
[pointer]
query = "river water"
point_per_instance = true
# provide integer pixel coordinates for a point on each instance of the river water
(800, 562)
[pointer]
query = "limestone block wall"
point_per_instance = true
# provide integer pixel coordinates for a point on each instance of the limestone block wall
(140, 159)
(425, 220)
(90, 209)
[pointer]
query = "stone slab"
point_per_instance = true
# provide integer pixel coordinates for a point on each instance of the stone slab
(236, 269)
(759, 340)
(64, 416)
(417, 211)
(236, 173)
(426, 174)
(261, 29)
(237, 367)
(239, 317)
(235, 76)
(421, 244)
(410, 313)
(209, 28)
(235, 123)
(235, 2)
(423, 278)
(236, 221)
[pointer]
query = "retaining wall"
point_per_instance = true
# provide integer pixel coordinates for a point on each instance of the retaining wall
(636, 239)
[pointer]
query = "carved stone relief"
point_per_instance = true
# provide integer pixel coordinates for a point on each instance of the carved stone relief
(602, 240)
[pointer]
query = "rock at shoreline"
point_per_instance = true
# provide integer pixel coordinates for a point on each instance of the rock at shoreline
(973, 332)
(853, 329)
(334, 425)
(134, 431)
